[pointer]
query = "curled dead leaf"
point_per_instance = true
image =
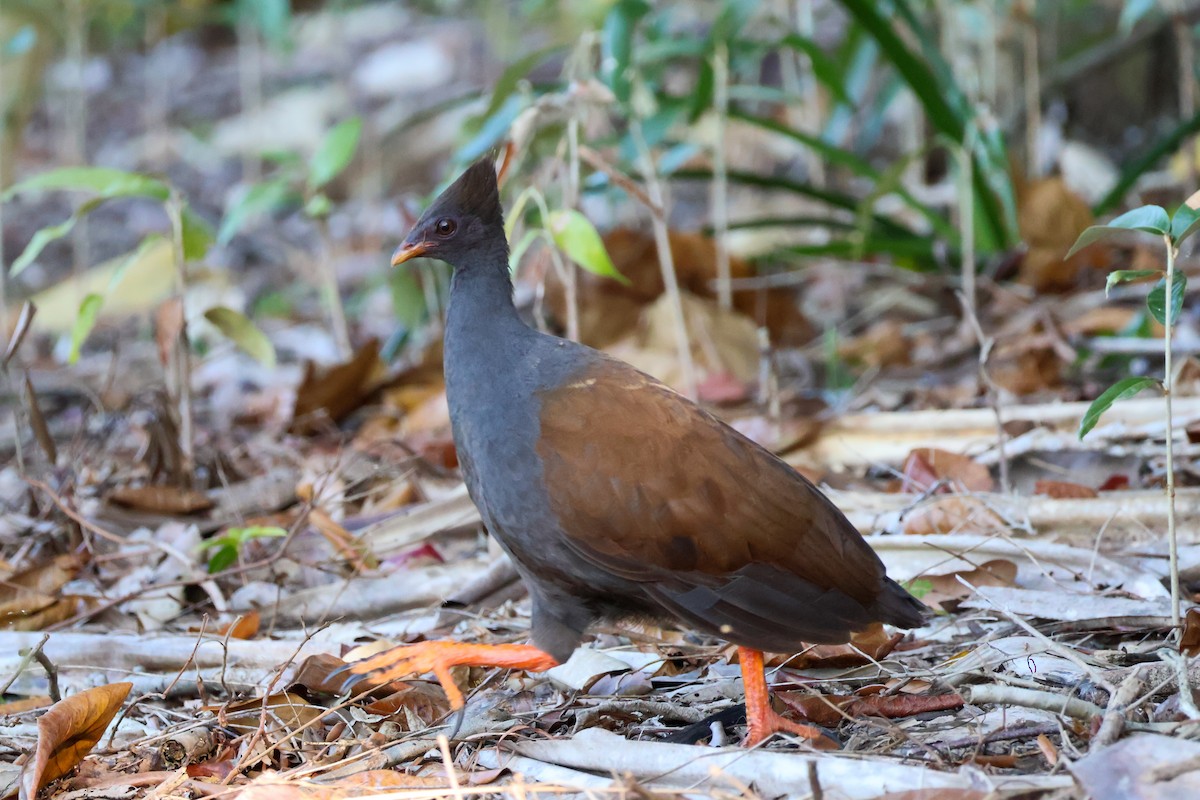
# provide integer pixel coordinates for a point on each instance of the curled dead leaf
(161, 499)
(1064, 490)
(829, 710)
(926, 466)
(69, 731)
(954, 514)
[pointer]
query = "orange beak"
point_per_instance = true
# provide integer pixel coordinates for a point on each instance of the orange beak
(409, 250)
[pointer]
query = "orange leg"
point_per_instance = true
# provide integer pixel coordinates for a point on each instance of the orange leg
(762, 719)
(439, 656)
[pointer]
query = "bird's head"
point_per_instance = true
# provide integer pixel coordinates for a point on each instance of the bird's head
(465, 219)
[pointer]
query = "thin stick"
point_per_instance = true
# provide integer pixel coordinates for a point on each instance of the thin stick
(662, 241)
(1033, 106)
(183, 357)
(571, 200)
(720, 184)
(1172, 539)
(333, 296)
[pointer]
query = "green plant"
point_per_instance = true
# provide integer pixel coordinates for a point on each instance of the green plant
(297, 182)
(228, 546)
(1165, 304)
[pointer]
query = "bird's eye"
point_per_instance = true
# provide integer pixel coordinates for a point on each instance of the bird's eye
(445, 227)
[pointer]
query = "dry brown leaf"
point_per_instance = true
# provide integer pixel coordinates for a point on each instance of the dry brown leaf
(1099, 320)
(1064, 490)
(1189, 641)
(336, 391)
(69, 731)
(829, 710)
(882, 345)
(1050, 218)
(871, 643)
(244, 627)
(953, 514)
(287, 710)
(946, 590)
(168, 325)
(942, 793)
(24, 704)
(161, 499)
(925, 466)
(609, 310)
(29, 599)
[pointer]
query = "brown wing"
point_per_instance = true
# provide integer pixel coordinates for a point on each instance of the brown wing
(719, 531)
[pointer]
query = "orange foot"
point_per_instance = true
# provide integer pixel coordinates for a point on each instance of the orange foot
(764, 721)
(439, 656)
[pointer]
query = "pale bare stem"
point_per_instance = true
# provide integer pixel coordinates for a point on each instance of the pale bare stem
(804, 23)
(966, 224)
(4, 144)
(1186, 48)
(76, 132)
(720, 184)
(249, 85)
(333, 297)
(1033, 105)
(183, 357)
(1172, 541)
(571, 270)
(157, 88)
(662, 241)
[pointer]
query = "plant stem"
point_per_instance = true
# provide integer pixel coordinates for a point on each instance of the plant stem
(1172, 542)
(662, 241)
(333, 297)
(720, 185)
(183, 356)
(570, 200)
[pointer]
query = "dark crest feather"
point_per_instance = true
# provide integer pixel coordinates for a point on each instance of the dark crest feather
(475, 192)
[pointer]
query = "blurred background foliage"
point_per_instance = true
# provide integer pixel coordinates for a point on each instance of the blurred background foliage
(945, 135)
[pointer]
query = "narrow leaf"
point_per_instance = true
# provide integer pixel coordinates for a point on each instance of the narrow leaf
(41, 238)
(261, 198)
(1185, 222)
(1157, 303)
(28, 310)
(1121, 390)
(245, 334)
(102, 181)
(335, 152)
(197, 236)
(1151, 219)
(1128, 275)
(577, 237)
(85, 320)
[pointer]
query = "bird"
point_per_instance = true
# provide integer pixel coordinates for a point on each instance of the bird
(618, 499)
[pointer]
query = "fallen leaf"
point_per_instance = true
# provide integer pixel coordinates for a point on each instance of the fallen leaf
(244, 627)
(1189, 641)
(1064, 490)
(829, 710)
(1050, 218)
(168, 324)
(69, 731)
(946, 590)
(953, 514)
(288, 711)
(926, 466)
(161, 499)
(336, 391)
(872, 643)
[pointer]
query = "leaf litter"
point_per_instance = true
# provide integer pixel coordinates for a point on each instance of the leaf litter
(1047, 670)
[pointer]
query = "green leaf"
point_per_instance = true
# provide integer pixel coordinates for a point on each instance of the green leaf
(509, 79)
(318, 206)
(1151, 219)
(616, 45)
(334, 153)
(197, 236)
(518, 251)
(919, 587)
(37, 244)
(1156, 300)
(1185, 222)
(824, 68)
(1127, 275)
(101, 181)
(1121, 390)
(261, 198)
(85, 320)
(578, 238)
(245, 334)
(224, 558)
